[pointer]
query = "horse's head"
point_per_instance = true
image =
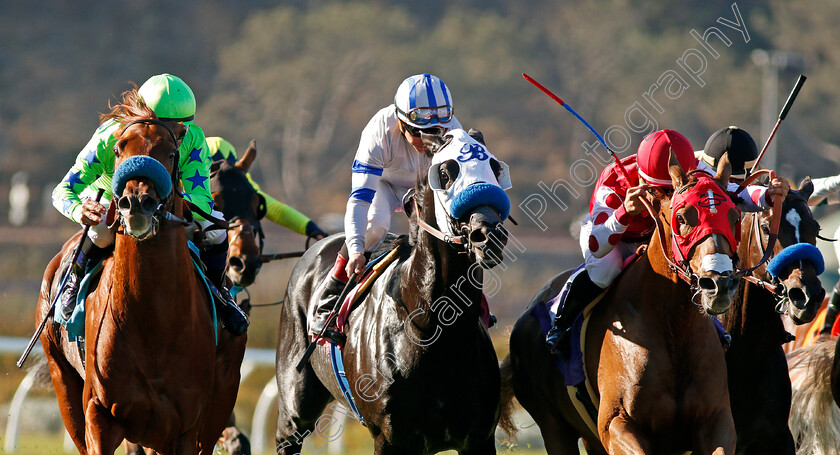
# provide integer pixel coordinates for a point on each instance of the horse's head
(467, 185)
(704, 231)
(797, 262)
(243, 207)
(145, 166)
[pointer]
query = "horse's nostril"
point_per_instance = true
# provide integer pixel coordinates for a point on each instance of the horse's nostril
(707, 284)
(148, 204)
(236, 263)
(477, 236)
(797, 295)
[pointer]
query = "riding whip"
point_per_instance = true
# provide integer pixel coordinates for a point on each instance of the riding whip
(782, 115)
(314, 343)
(51, 310)
(572, 111)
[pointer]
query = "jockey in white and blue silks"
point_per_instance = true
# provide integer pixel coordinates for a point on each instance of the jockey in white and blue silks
(390, 160)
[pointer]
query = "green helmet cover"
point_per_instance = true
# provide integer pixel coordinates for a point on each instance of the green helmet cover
(169, 96)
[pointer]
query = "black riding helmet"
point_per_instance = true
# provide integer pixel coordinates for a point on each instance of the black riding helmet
(739, 144)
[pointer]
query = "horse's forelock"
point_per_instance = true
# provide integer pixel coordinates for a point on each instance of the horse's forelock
(130, 108)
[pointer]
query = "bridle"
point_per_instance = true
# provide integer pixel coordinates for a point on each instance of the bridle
(163, 210)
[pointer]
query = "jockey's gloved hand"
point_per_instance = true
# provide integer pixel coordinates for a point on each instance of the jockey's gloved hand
(312, 230)
(477, 135)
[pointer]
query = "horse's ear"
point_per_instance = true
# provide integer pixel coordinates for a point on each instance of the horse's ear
(678, 176)
(408, 201)
(432, 142)
(248, 158)
(806, 188)
(724, 171)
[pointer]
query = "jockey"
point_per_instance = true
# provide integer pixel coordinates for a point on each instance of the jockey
(617, 223)
(827, 191)
(218, 149)
(740, 146)
(390, 160)
(172, 100)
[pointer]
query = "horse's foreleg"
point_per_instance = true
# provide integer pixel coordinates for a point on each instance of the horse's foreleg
(718, 437)
(103, 435)
(68, 387)
(623, 437)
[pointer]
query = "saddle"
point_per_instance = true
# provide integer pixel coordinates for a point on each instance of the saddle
(75, 326)
(393, 247)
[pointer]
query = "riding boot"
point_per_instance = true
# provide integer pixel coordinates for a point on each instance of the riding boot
(233, 318)
(831, 312)
(581, 291)
(70, 294)
(336, 281)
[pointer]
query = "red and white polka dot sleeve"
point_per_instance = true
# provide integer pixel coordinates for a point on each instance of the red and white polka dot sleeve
(609, 221)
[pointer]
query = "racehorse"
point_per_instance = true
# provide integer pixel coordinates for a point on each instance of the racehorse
(755, 360)
(152, 370)
(653, 360)
(815, 404)
(420, 363)
(234, 196)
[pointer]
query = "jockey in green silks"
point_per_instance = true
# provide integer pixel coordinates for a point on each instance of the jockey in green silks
(220, 149)
(172, 100)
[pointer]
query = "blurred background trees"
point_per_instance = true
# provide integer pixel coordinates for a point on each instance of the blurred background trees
(304, 77)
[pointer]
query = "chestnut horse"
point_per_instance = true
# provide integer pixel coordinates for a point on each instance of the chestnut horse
(652, 357)
(234, 195)
(419, 362)
(152, 371)
(755, 360)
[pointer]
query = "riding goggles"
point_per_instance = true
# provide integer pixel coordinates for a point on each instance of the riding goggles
(414, 131)
(424, 115)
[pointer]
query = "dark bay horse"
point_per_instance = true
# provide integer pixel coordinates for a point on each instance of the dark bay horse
(420, 364)
(755, 360)
(652, 357)
(152, 371)
(234, 196)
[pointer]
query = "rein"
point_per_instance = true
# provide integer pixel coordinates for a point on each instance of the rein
(452, 240)
(775, 221)
(682, 270)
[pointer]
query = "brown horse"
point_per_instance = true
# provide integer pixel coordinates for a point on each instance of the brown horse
(234, 196)
(151, 371)
(653, 359)
(755, 360)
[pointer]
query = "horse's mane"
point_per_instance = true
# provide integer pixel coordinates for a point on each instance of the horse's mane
(130, 108)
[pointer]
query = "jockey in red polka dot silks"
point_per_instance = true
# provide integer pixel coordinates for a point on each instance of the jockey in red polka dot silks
(617, 223)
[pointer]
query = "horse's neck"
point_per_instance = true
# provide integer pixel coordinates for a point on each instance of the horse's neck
(440, 282)
(153, 267)
(753, 312)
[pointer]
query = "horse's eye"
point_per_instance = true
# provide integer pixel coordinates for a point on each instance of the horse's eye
(765, 229)
(444, 177)
(680, 219)
(496, 167)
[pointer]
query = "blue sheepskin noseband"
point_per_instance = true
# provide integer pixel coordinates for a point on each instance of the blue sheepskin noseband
(142, 166)
(793, 253)
(477, 195)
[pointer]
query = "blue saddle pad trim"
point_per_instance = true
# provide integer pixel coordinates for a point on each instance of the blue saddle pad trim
(337, 362)
(195, 256)
(75, 326)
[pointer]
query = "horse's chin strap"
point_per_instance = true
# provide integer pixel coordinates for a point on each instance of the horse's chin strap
(440, 235)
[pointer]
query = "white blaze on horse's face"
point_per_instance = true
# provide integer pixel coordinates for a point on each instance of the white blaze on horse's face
(792, 217)
(477, 183)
